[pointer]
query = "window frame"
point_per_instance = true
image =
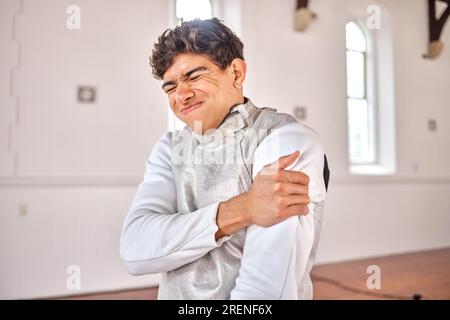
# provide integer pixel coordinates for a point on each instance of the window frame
(369, 97)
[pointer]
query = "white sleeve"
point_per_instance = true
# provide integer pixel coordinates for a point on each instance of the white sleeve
(275, 258)
(154, 237)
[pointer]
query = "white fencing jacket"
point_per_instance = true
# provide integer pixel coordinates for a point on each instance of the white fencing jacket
(171, 225)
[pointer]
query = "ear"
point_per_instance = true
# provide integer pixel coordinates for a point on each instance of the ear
(239, 69)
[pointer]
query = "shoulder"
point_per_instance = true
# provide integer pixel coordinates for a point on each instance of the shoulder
(269, 119)
(162, 149)
(300, 134)
(288, 138)
(164, 142)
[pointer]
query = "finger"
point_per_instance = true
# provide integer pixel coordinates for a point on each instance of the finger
(284, 161)
(296, 199)
(293, 188)
(296, 177)
(295, 210)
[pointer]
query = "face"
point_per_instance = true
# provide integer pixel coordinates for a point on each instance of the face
(199, 90)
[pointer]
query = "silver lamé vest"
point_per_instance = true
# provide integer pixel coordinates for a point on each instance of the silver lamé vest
(215, 167)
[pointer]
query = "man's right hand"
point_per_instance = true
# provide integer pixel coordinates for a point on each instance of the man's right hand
(276, 194)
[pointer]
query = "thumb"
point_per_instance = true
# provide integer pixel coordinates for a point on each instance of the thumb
(284, 161)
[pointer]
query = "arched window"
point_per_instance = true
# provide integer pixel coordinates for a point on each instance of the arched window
(361, 128)
(187, 10)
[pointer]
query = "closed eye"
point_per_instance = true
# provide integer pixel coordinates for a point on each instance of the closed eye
(194, 77)
(170, 89)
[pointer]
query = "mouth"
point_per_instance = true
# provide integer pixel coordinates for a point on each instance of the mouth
(191, 108)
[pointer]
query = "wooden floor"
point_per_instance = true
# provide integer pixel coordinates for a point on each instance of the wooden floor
(426, 273)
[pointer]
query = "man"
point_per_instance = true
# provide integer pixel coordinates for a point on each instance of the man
(222, 210)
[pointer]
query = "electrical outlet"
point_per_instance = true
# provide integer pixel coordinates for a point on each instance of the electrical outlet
(300, 113)
(432, 125)
(86, 94)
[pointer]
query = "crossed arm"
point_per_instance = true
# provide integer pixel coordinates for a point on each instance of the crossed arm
(154, 239)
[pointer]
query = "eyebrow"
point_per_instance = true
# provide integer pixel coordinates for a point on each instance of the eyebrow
(186, 75)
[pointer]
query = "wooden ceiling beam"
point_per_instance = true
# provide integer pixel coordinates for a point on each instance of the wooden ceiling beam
(435, 27)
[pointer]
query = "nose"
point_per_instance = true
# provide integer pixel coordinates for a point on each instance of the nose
(183, 94)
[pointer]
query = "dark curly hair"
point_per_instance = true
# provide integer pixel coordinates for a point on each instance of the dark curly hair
(209, 37)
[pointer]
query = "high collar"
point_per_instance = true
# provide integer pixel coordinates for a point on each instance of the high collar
(234, 121)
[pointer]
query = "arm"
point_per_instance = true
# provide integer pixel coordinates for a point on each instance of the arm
(154, 238)
(275, 257)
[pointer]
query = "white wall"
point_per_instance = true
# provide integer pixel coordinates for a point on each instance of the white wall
(74, 168)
